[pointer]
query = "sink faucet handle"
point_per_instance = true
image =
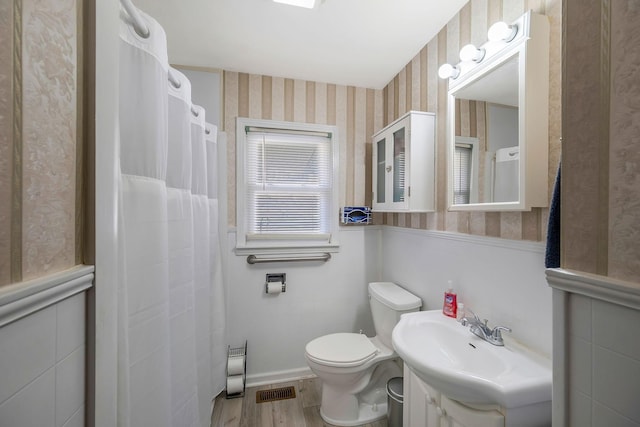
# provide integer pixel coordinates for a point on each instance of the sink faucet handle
(497, 332)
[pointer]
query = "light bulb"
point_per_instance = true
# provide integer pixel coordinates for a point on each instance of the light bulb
(447, 71)
(471, 53)
(501, 31)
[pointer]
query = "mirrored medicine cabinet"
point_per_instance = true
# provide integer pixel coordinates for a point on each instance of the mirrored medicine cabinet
(497, 120)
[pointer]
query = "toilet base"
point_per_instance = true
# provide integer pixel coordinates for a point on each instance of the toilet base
(367, 413)
(364, 402)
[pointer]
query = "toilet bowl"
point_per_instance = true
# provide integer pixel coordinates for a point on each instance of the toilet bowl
(353, 368)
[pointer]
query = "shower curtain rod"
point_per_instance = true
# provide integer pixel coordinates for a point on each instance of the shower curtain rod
(143, 31)
(138, 23)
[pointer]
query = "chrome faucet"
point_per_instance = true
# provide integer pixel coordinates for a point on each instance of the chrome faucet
(480, 328)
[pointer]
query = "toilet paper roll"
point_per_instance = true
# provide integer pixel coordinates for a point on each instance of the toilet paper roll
(235, 365)
(274, 287)
(235, 384)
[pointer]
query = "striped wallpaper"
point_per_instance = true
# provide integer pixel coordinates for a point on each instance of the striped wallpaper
(601, 155)
(355, 111)
(6, 138)
(360, 112)
(418, 87)
(40, 128)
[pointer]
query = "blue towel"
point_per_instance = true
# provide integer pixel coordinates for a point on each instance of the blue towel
(552, 254)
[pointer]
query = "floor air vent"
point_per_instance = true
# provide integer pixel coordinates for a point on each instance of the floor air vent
(274, 394)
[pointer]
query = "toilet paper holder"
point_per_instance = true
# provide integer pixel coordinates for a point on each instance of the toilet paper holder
(275, 278)
(238, 354)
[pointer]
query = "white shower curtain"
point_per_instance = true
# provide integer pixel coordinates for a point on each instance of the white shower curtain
(184, 386)
(167, 337)
(144, 392)
(202, 264)
(218, 310)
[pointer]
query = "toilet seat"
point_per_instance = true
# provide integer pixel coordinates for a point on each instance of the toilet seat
(341, 350)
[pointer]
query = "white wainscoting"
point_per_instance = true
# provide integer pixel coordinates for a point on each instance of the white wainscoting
(502, 280)
(43, 350)
(499, 279)
(597, 357)
(321, 298)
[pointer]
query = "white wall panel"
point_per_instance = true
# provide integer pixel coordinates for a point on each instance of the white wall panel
(27, 349)
(33, 405)
(321, 298)
(602, 356)
(43, 351)
(69, 393)
(500, 280)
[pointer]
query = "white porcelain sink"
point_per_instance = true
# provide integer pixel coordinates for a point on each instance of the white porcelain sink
(466, 368)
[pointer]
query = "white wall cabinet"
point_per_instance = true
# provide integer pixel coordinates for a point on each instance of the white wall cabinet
(425, 406)
(404, 165)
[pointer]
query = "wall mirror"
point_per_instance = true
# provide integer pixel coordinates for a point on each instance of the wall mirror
(497, 119)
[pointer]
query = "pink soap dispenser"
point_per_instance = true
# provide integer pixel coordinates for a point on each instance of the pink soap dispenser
(450, 306)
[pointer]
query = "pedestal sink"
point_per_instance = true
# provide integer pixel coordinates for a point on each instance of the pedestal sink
(468, 369)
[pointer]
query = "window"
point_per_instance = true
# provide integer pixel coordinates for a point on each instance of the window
(465, 171)
(286, 195)
(462, 174)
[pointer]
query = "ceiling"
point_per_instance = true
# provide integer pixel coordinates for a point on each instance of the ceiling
(362, 43)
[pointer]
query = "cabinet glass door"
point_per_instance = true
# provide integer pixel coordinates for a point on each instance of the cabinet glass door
(398, 165)
(380, 171)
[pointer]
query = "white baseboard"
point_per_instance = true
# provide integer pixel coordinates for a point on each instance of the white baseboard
(279, 377)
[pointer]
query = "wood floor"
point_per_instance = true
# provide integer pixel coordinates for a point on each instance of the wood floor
(303, 411)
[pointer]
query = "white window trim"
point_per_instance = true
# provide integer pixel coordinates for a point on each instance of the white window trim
(246, 246)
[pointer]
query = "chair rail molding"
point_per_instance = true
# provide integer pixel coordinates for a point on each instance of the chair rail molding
(603, 288)
(22, 299)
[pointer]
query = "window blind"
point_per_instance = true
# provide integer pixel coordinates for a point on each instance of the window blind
(462, 174)
(289, 184)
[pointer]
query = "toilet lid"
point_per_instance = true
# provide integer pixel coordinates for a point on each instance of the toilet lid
(342, 349)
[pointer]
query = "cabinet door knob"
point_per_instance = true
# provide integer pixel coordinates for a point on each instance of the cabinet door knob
(388, 168)
(441, 412)
(430, 399)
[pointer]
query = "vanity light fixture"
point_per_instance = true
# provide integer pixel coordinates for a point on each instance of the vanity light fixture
(499, 35)
(448, 71)
(471, 53)
(309, 4)
(501, 31)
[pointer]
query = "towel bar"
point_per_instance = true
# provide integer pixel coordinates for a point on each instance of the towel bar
(252, 259)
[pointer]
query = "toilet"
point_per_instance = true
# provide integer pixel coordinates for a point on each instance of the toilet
(353, 368)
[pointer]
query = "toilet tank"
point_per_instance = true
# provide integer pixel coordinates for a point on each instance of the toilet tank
(388, 301)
